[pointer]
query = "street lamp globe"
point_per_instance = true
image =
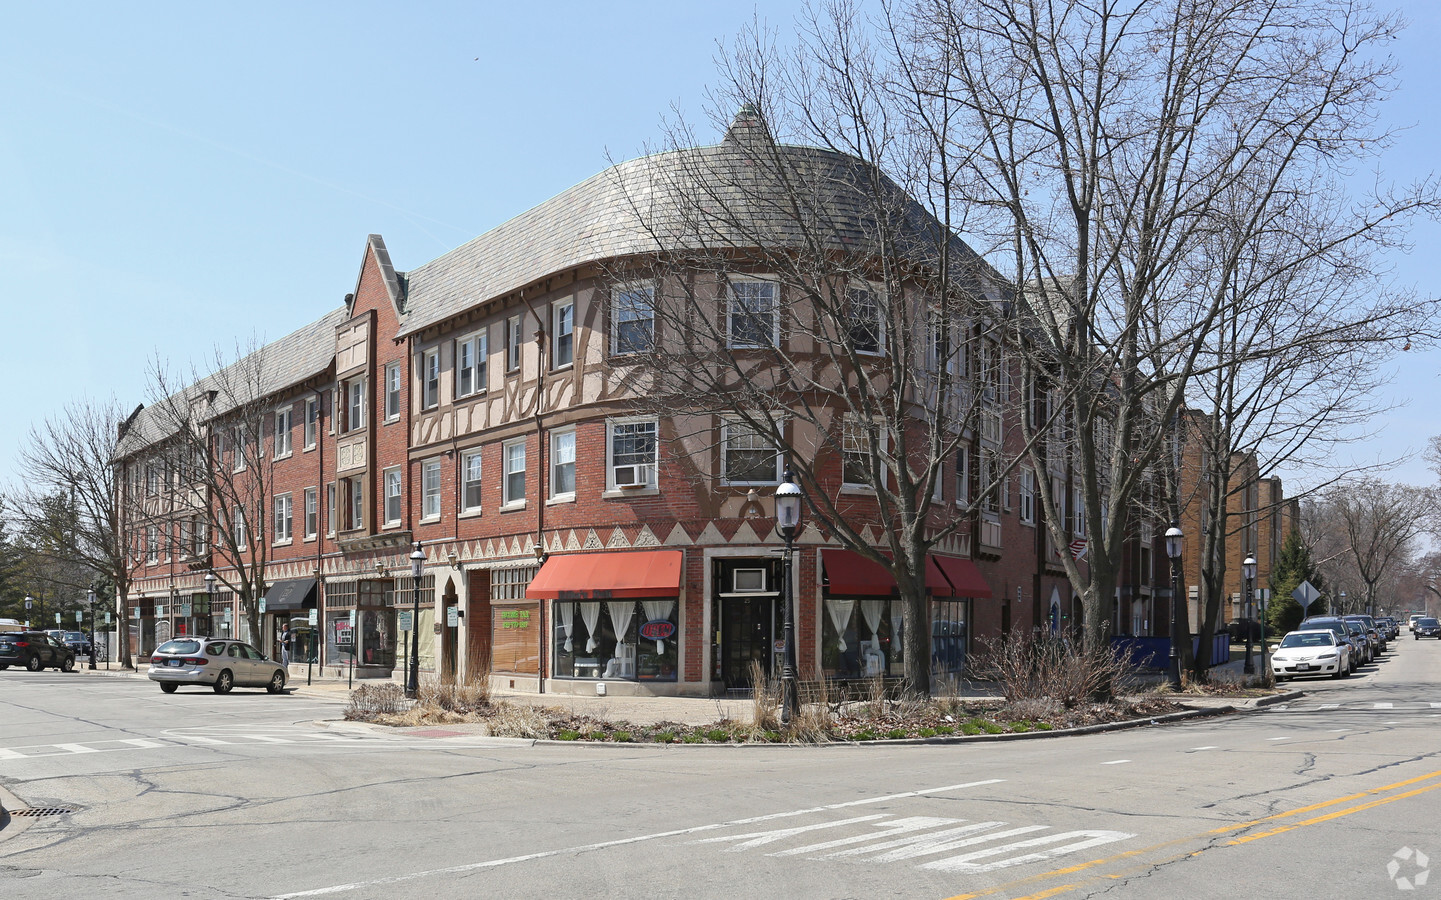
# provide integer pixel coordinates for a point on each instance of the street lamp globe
(788, 506)
(1173, 542)
(417, 561)
(1248, 567)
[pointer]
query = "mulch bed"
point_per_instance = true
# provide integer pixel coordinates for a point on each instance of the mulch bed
(847, 722)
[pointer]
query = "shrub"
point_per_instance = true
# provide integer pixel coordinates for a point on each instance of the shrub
(622, 737)
(692, 739)
(718, 735)
(927, 732)
(369, 700)
(945, 729)
(865, 734)
(568, 734)
(664, 737)
(896, 734)
(1037, 667)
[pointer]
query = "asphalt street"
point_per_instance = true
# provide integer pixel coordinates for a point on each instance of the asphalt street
(259, 796)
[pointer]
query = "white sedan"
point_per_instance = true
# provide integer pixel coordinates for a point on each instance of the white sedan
(1311, 653)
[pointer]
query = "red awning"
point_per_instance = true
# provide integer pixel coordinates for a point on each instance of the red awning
(964, 577)
(848, 574)
(606, 576)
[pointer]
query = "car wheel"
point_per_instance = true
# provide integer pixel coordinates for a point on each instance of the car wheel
(4, 666)
(33, 664)
(224, 682)
(277, 683)
(68, 665)
(168, 688)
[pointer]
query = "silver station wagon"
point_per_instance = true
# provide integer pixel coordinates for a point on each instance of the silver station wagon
(218, 662)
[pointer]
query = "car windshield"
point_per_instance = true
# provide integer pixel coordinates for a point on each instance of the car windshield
(1428, 622)
(1308, 640)
(179, 647)
(74, 636)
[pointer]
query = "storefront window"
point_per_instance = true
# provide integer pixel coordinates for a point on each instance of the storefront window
(515, 642)
(861, 638)
(615, 639)
(950, 631)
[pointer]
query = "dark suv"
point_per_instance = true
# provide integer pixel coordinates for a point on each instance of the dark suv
(34, 650)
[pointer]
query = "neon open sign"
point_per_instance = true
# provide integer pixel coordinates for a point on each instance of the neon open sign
(657, 630)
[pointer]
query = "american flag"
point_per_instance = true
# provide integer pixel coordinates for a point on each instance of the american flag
(1078, 548)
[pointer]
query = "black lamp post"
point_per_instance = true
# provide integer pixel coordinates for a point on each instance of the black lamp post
(788, 517)
(412, 678)
(210, 595)
(90, 595)
(1248, 571)
(1173, 550)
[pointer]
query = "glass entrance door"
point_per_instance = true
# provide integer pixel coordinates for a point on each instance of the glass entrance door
(747, 634)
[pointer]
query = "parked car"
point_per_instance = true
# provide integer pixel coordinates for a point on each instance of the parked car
(1350, 632)
(1389, 627)
(78, 641)
(35, 650)
(1378, 643)
(1427, 627)
(218, 662)
(1317, 652)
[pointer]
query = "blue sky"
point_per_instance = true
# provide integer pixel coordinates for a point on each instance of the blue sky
(178, 177)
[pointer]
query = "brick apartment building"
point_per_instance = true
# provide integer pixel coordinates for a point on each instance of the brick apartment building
(472, 404)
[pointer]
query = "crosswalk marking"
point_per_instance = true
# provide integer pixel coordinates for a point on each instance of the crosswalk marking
(1194, 749)
(898, 826)
(1115, 762)
(269, 739)
(1383, 706)
(76, 748)
(10, 754)
(1329, 706)
(199, 739)
(1286, 738)
(142, 743)
(1436, 705)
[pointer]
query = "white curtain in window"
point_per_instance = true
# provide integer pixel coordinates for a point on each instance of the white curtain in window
(872, 610)
(658, 609)
(840, 613)
(565, 617)
(590, 612)
(898, 626)
(621, 612)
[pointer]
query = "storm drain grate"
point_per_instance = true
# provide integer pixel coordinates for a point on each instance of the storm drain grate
(41, 811)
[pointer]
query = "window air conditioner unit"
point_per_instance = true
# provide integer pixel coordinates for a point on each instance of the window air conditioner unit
(630, 476)
(748, 581)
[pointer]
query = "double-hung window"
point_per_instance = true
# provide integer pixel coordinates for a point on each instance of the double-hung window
(312, 513)
(470, 493)
(283, 519)
(393, 497)
(392, 391)
(355, 490)
(748, 457)
(512, 343)
(241, 448)
(430, 489)
(430, 378)
(152, 544)
(330, 507)
(856, 454)
(513, 478)
(242, 538)
(282, 432)
(470, 355)
(1028, 497)
(562, 464)
(632, 320)
(632, 453)
(355, 405)
(562, 351)
(752, 316)
(867, 329)
(312, 421)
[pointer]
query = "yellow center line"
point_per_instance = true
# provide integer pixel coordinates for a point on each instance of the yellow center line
(1238, 826)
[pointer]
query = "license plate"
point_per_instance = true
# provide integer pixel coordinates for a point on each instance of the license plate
(172, 662)
(1303, 667)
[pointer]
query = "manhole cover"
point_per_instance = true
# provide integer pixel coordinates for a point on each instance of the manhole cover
(41, 811)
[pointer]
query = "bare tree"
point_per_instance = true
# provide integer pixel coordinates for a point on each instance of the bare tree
(70, 503)
(200, 471)
(1131, 161)
(1379, 524)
